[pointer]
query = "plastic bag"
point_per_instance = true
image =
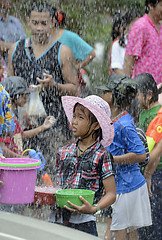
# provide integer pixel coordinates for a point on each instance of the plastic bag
(36, 107)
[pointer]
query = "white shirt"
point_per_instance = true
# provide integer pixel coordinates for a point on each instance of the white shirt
(117, 56)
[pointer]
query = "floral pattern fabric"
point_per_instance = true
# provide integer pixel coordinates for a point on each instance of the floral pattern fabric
(145, 42)
(6, 115)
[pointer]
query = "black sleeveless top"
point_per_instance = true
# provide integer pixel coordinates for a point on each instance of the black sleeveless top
(48, 62)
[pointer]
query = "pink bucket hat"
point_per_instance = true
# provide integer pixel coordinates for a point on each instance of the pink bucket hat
(99, 107)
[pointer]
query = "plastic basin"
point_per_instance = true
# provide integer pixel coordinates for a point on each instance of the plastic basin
(72, 195)
(45, 195)
(19, 178)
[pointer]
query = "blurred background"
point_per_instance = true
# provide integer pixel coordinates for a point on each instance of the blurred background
(92, 20)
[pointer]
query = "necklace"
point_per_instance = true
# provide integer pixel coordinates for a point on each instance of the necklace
(83, 151)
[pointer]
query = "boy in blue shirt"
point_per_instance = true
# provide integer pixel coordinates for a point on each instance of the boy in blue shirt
(132, 207)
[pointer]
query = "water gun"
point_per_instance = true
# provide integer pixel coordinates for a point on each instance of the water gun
(38, 155)
(154, 130)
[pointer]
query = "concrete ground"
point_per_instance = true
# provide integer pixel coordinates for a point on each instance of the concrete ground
(44, 212)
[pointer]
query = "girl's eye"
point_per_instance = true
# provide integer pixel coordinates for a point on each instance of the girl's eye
(44, 23)
(35, 22)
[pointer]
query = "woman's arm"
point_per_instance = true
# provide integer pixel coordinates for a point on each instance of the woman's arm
(11, 71)
(69, 72)
(128, 65)
(87, 60)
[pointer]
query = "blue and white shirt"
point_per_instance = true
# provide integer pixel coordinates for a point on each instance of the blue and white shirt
(127, 176)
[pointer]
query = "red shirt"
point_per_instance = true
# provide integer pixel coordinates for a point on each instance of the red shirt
(14, 143)
(154, 129)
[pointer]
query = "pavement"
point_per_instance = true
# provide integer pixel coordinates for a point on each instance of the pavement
(43, 212)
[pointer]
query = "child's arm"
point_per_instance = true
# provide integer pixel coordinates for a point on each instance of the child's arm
(155, 155)
(48, 123)
(129, 158)
(108, 199)
(8, 153)
(110, 196)
(134, 148)
(1, 154)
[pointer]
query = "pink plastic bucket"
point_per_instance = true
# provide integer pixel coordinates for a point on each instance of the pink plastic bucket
(19, 178)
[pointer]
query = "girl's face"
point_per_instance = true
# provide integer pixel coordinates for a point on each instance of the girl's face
(157, 11)
(108, 97)
(81, 124)
(144, 100)
(21, 100)
(41, 25)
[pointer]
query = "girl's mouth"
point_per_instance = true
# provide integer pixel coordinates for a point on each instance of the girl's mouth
(74, 129)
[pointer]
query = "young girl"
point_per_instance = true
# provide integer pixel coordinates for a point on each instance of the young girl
(122, 25)
(12, 146)
(148, 99)
(132, 207)
(86, 164)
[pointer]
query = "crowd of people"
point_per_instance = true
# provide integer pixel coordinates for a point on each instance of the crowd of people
(107, 139)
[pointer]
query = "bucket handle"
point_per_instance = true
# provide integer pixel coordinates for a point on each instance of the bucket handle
(26, 150)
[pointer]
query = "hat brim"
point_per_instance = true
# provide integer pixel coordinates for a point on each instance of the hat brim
(103, 119)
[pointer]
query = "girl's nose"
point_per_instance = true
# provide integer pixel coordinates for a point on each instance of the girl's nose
(74, 121)
(39, 27)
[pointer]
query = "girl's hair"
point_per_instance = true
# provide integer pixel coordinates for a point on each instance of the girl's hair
(93, 119)
(54, 13)
(153, 3)
(116, 24)
(146, 83)
(126, 18)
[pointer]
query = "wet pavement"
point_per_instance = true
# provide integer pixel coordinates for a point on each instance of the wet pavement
(43, 212)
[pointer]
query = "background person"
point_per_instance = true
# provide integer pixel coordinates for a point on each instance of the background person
(117, 52)
(11, 29)
(127, 150)
(13, 146)
(82, 51)
(148, 99)
(43, 57)
(143, 50)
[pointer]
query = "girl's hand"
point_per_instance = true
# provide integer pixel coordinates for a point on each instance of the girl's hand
(86, 208)
(48, 81)
(1, 183)
(148, 181)
(1, 156)
(49, 122)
